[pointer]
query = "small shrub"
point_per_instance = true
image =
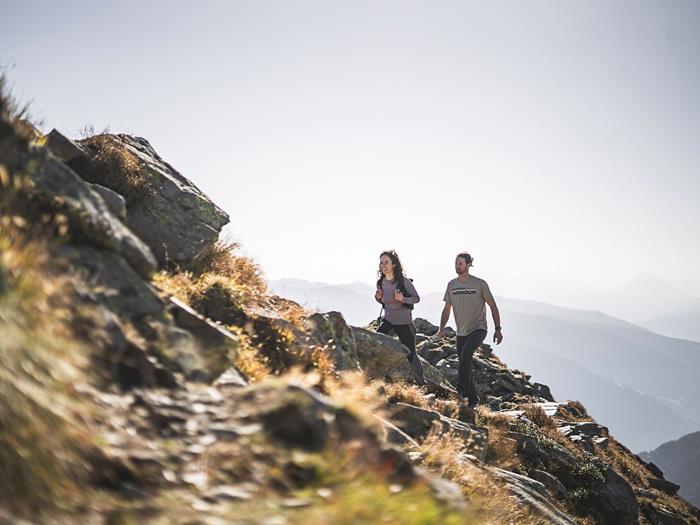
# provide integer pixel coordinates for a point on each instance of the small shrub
(539, 417)
(113, 166)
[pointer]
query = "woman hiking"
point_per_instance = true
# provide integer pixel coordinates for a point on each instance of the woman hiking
(397, 295)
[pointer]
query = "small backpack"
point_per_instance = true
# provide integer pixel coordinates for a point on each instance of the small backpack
(401, 289)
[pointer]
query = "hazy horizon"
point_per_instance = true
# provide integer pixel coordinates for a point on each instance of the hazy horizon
(555, 141)
(616, 302)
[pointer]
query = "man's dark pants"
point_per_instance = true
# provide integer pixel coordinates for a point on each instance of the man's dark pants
(466, 345)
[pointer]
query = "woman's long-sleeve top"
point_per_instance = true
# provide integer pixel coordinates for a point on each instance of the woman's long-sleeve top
(394, 311)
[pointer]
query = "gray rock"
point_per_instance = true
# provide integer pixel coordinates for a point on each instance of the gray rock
(231, 378)
(664, 485)
(433, 355)
(114, 201)
(616, 502)
(651, 467)
(331, 330)
(57, 187)
(63, 147)
(543, 391)
(381, 356)
(532, 494)
(590, 428)
(395, 435)
(171, 215)
(418, 422)
(554, 486)
(528, 446)
(444, 490)
(201, 352)
(425, 327)
(216, 345)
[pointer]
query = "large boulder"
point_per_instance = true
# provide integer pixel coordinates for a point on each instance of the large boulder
(331, 331)
(168, 212)
(59, 189)
(165, 333)
(382, 356)
(616, 502)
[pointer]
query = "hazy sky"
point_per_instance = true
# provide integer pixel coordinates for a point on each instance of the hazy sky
(558, 141)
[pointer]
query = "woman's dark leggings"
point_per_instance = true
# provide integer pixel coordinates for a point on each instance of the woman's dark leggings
(407, 336)
(466, 345)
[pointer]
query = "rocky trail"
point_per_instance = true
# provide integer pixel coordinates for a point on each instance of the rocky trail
(149, 377)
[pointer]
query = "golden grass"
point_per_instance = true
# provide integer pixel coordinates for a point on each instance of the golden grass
(220, 283)
(412, 394)
(249, 360)
(363, 398)
(539, 417)
(578, 406)
(16, 112)
(42, 425)
(229, 288)
(113, 166)
(626, 465)
(444, 454)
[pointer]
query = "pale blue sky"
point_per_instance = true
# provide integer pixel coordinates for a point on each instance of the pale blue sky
(558, 141)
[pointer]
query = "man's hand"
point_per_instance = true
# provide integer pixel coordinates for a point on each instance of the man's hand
(440, 333)
(497, 337)
(378, 294)
(398, 296)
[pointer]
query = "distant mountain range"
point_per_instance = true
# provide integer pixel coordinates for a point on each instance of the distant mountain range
(680, 462)
(640, 384)
(684, 324)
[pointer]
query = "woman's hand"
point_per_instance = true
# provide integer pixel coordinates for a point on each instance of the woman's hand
(378, 294)
(398, 296)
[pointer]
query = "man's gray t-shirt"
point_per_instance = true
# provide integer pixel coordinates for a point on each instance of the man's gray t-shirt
(468, 300)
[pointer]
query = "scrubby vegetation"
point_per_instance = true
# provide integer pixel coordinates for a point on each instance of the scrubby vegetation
(112, 166)
(114, 411)
(43, 431)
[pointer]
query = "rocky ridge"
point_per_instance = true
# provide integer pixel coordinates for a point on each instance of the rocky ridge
(175, 426)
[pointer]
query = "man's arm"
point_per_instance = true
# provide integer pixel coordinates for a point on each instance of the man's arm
(443, 319)
(497, 336)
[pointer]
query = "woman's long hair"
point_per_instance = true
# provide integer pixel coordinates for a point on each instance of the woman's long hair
(398, 271)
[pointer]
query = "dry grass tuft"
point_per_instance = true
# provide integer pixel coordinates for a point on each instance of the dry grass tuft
(364, 399)
(113, 166)
(579, 411)
(402, 392)
(489, 418)
(445, 454)
(625, 464)
(412, 394)
(500, 450)
(17, 112)
(229, 288)
(538, 416)
(249, 359)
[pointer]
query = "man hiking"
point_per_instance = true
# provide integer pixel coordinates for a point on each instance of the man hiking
(468, 295)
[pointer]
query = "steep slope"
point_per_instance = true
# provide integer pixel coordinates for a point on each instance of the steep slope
(193, 395)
